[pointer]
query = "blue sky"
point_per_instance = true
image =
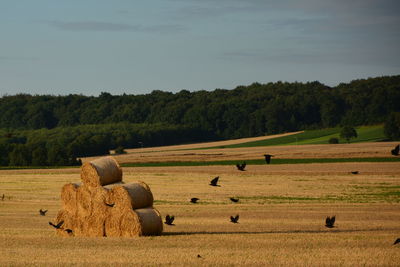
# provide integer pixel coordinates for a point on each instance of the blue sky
(125, 46)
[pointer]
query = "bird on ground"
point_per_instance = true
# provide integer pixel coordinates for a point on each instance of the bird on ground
(330, 221)
(169, 219)
(198, 256)
(58, 225)
(214, 181)
(241, 167)
(396, 150)
(194, 199)
(397, 241)
(42, 212)
(109, 205)
(354, 172)
(2, 198)
(235, 219)
(234, 199)
(69, 231)
(268, 158)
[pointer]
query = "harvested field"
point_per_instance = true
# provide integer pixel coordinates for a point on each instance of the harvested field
(190, 153)
(282, 212)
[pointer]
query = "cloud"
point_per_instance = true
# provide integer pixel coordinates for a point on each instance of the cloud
(113, 27)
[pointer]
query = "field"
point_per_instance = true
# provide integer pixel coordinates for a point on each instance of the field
(282, 211)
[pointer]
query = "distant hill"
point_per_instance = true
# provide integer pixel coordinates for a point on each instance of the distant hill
(57, 130)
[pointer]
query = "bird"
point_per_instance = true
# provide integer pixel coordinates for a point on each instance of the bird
(169, 219)
(330, 221)
(268, 158)
(354, 172)
(42, 212)
(241, 167)
(194, 199)
(58, 225)
(214, 181)
(109, 205)
(395, 151)
(198, 256)
(397, 241)
(235, 219)
(69, 231)
(2, 198)
(234, 199)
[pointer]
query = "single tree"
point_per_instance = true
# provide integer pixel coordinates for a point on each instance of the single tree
(392, 126)
(348, 132)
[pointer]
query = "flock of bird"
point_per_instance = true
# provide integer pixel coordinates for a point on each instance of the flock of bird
(329, 221)
(169, 219)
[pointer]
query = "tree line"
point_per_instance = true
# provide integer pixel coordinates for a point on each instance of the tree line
(161, 118)
(63, 146)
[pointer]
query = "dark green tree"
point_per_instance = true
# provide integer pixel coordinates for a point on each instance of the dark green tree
(392, 126)
(347, 133)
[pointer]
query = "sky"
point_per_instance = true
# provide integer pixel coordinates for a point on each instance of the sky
(123, 46)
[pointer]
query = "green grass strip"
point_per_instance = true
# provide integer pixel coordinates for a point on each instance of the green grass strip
(309, 137)
(258, 162)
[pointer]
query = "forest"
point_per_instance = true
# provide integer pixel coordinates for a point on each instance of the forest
(48, 130)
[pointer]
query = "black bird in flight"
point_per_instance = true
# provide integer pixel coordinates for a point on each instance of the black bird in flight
(169, 219)
(241, 167)
(109, 205)
(235, 219)
(214, 181)
(268, 158)
(234, 199)
(42, 212)
(354, 172)
(69, 231)
(194, 199)
(58, 225)
(395, 151)
(330, 221)
(397, 241)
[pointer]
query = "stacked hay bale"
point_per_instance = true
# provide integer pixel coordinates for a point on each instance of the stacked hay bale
(102, 205)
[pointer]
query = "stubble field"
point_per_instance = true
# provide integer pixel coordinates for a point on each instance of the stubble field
(282, 212)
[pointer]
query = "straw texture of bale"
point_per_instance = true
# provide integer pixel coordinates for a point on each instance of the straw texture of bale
(113, 223)
(102, 171)
(132, 196)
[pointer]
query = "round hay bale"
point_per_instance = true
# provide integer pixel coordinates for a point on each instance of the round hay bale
(132, 196)
(102, 171)
(150, 221)
(68, 196)
(141, 222)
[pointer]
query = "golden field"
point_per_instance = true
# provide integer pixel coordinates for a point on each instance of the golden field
(282, 212)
